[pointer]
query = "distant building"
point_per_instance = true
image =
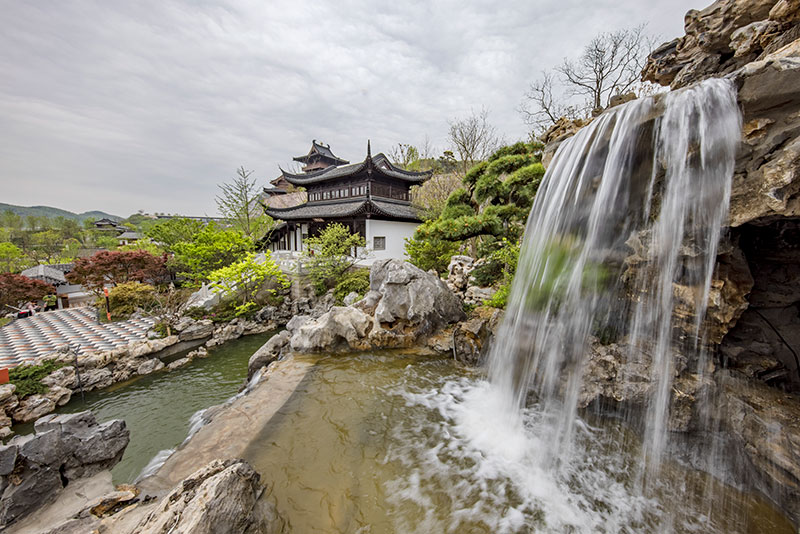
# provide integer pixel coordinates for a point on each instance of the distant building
(128, 238)
(69, 295)
(372, 198)
(202, 218)
(108, 224)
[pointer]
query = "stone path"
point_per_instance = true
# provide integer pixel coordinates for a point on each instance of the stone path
(25, 339)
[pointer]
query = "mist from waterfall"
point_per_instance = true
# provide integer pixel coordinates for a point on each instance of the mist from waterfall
(620, 248)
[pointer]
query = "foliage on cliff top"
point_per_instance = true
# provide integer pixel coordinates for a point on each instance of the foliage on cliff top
(492, 204)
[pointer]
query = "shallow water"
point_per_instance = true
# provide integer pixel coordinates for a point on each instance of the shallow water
(385, 443)
(158, 407)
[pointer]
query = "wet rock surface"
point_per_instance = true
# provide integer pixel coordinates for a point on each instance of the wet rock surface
(269, 352)
(765, 424)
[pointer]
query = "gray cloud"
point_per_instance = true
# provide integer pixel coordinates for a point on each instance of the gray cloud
(148, 105)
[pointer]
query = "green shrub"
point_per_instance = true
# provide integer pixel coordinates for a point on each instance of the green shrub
(500, 298)
(429, 252)
(28, 378)
(328, 256)
(126, 298)
(354, 280)
(161, 329)
(488, 273)
(507, 257)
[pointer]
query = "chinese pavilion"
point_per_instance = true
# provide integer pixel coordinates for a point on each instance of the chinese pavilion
(372, 198)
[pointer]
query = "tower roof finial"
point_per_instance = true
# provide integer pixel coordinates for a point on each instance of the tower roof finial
(369, 150)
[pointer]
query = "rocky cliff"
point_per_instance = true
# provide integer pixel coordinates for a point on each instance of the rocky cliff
(755, 301)
(752, 326)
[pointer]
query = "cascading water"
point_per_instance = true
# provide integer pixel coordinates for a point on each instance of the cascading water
(619, 251)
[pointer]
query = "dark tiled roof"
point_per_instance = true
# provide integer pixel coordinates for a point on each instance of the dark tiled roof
(322, 150)
(380, 162)
(394, 209)
(318, 210)
(347, 208)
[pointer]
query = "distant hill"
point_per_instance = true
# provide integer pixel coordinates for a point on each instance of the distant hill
(47, 211)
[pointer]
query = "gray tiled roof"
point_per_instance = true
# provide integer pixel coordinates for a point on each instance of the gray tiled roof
(45, 273)
(381, 163)
(130, 235)
(338, 209)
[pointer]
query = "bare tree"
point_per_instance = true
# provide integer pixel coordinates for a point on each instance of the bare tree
(403, 155)
(541, 107)
(239, 203)
(473, 138)
(609, 65)
(426, 149)
(431, 197)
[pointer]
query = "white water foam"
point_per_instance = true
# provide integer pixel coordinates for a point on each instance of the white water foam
(154, 464)
(488, 464)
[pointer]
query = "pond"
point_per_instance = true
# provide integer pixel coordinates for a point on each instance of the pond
(393, 443)
(158, 407)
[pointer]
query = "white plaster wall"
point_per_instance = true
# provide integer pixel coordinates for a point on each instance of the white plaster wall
(395, 233)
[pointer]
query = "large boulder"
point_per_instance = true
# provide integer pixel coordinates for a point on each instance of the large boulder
(268, 352)
(35, 467)
(221, 497)
(342, 327)
(413, 297)
(197, 330)
(32, 407)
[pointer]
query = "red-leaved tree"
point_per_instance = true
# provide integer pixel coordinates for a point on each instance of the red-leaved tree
(117, 267)
(16, 289)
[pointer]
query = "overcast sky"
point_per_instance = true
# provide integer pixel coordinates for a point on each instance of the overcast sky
(122, 106)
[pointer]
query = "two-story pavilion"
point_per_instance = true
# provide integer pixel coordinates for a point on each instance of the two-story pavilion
(371, 197)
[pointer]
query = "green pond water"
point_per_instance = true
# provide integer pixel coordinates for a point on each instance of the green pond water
(158, 407)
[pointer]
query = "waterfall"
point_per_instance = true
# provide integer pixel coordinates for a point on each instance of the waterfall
(618, 255)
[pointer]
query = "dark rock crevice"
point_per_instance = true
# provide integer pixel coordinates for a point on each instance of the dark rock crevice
(765, 342)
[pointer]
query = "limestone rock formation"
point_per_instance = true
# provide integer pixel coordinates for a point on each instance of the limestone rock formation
(341, 327)
(411, 295)
(195, 330)
(268, 352)
(722, 38)
(765, 424)
(34, 468)
(404, 305)
(220, 497)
